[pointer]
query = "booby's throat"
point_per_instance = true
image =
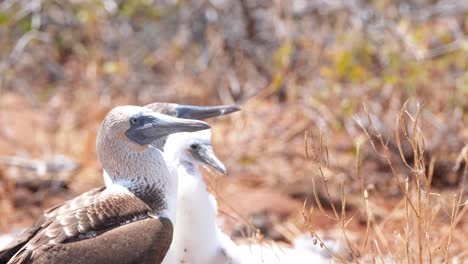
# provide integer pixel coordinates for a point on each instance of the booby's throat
(148, 177)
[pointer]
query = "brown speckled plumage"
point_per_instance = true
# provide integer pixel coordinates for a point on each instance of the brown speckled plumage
(86, 217)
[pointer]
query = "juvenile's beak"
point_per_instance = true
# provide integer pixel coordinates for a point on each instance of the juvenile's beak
(150, 126)
(202, 112)
(207, 156)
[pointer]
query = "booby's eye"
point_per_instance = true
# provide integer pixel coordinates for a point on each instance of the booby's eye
(194, 146)
(134, 121)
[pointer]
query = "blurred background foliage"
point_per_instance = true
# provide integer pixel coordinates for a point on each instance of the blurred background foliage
(234, 49)
(292, 65)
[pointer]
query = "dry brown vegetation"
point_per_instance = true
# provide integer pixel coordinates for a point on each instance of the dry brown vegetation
(381, 87)
(414, 229)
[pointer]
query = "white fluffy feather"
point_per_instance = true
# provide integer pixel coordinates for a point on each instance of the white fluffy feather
(197, 239)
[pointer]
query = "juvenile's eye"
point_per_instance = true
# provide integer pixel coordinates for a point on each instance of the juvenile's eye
(134, 120)
(194, 146)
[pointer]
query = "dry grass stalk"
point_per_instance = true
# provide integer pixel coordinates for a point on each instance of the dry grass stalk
(320, 152)
(455, 216)
(422, 207)
(386, 153)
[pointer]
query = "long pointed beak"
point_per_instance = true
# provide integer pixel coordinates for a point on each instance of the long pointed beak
(202, 112)
(150, 126)
(168, 125)
(207, 156)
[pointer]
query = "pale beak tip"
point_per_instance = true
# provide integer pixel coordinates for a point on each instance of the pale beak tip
(205, 126)
(223, 170)
(230, 109)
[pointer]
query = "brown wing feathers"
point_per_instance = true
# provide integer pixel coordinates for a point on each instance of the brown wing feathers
(45, 220)
(84, 217)
(19, 242)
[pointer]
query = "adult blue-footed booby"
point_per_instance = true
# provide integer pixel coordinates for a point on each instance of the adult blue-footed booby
(197, 239)
(126, 222)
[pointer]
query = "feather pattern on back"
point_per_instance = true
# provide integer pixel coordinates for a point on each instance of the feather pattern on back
(84, 217)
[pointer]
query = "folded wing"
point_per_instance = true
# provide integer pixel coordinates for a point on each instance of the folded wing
(93, 227)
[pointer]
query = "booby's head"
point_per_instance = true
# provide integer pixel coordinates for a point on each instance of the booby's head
(133, 128)
(192, 111)
(193, 148)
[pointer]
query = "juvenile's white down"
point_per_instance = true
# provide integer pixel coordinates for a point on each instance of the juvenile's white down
(197, 239)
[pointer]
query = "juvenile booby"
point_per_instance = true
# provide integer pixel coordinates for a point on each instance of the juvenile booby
(126, 222)
(197, 239)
